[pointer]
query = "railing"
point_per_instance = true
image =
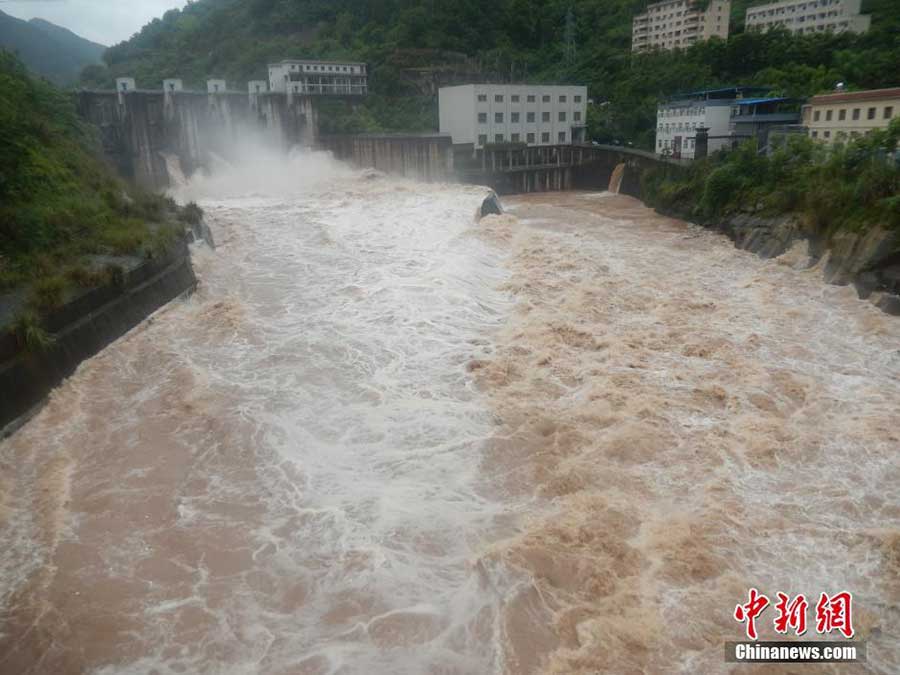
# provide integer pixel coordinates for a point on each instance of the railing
(329, 89)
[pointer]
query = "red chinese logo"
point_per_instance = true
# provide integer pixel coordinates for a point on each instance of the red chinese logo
(833, 613)
(791, 614)
(750, 612)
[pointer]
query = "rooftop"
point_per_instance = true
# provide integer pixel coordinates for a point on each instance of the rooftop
(317, 62)
(849, 96)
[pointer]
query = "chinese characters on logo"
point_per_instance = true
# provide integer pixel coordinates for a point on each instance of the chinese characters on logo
(833, 613)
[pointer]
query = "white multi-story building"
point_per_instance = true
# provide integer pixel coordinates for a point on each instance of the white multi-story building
(677, 24)
(677, 120)
(809, 16)
(481, 114)
(337, 78)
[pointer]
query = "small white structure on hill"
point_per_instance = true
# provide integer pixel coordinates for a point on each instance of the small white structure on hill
(481, 114)
(172, 85)
(335, 78)
(216, 86)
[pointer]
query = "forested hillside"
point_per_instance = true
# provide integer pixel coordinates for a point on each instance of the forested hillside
(540, 40)
(47, 49)
(60, 203)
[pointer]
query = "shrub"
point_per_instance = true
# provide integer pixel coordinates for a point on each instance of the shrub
(48, 293)
(85, 277)
(191, 214)
(723, 187)
(29, 333)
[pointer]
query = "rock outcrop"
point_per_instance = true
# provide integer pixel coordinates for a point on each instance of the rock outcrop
(869, 260)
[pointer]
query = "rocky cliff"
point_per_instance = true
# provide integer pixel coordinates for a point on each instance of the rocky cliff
(868, 260)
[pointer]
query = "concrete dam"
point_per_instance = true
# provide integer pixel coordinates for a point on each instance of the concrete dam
(139, 129)
(142, 131)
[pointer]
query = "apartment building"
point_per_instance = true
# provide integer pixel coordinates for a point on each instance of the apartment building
(677, 24)
(336, 78)
(844, 115)
(482, 114)
(809, 16)
(678, 120)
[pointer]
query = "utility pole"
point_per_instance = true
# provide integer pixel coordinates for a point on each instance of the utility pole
(571, 48)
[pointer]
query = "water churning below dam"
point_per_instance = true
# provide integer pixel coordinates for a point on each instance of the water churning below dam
(385, 438)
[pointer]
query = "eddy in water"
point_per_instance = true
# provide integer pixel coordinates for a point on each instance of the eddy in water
(383, 437)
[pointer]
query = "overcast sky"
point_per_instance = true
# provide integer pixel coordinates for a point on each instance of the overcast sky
(103, 21)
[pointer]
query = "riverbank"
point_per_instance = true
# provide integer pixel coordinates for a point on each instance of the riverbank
(869, 261)
(37, 357)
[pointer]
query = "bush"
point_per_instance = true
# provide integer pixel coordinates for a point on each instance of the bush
(29, 332)
(722, 189)
(191, 214)
(48, 293)
(85, 277)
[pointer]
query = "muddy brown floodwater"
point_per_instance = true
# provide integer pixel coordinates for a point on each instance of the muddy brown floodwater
(384, 438)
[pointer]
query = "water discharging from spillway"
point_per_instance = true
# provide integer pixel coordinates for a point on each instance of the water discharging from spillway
(382, 438)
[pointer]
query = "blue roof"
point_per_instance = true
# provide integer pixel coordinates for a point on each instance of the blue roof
(754, 101)
(722, 90)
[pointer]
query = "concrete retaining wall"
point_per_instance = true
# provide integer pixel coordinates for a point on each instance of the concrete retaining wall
(421, 157)
(85, 326)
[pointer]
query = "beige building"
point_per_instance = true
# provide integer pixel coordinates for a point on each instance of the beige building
(677, 24)
(809, 16)
(844, 115)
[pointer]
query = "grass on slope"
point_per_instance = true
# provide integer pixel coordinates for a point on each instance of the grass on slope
(59, 202)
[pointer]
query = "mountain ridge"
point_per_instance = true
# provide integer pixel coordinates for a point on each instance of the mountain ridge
(49, 50)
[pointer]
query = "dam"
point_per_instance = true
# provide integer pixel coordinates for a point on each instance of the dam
(143, 131)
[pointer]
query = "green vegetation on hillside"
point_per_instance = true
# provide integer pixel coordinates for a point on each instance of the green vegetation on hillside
(48, 50)
(503, 40)
(60, 203)
(847, 187)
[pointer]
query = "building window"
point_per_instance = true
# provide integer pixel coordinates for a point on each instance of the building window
(498, 118)
(577, 116)
(482, 98)
(545, 137)
(531, 99)
(842, 115)
(482, 139)
(545, 117)
(563, 99)
(498, 138)
(514, 118)
(529, 117)
(888, 112)
(577, 99)
(482, 118)
(815, 134)
(530, 138)
(546, 98)
(515, 98)
(871, 113)
(817, 115)
(856, 113)
(562, 115)
(498, 98)
(515, 138)
(562, 136)
(828, 114)
(827, 134)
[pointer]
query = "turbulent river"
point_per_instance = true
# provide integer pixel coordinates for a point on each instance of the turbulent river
(385, 438)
